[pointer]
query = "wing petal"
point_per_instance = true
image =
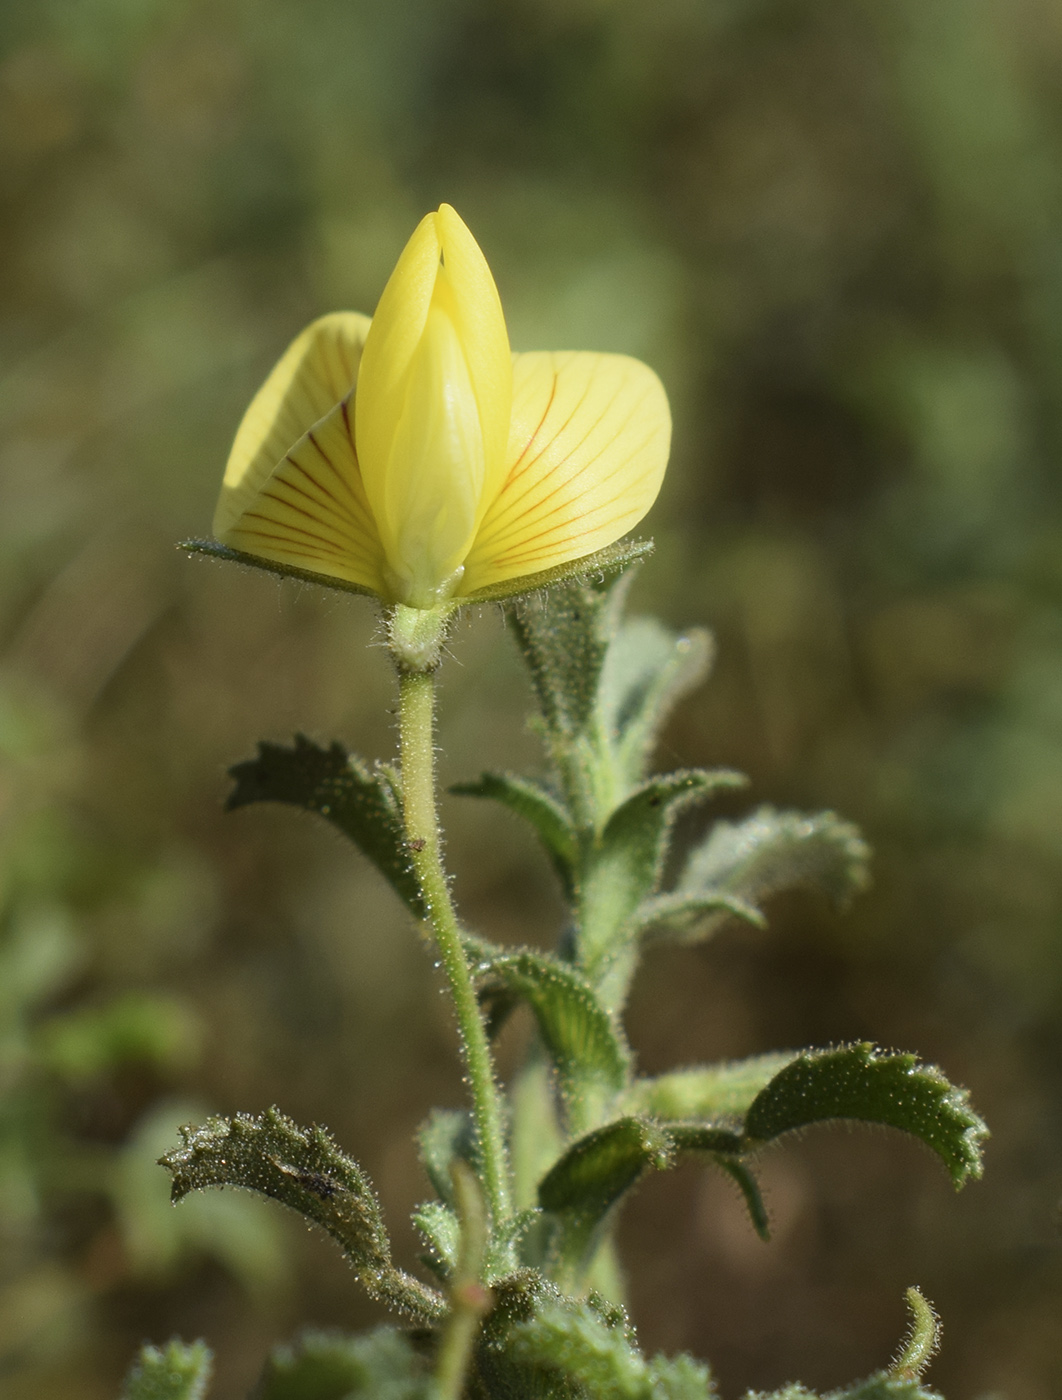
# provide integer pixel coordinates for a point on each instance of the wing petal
(587, 450)
(312, 511)
(317, 370)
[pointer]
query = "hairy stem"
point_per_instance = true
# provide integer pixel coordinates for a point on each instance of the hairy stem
(416, 728)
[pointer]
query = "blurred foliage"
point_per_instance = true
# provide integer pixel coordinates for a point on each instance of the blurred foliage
(832, 226)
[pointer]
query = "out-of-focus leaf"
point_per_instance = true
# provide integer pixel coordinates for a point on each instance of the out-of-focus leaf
(646, 671)
(381, 1365)
(444, 1137)
(773, 851)
(305, 1170)
(363, 803)
(705, 1091)
(177, 1371)
(858, 1081)
(138, 1028)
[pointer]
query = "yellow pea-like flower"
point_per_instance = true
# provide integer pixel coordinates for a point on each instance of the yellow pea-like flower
(415, 457)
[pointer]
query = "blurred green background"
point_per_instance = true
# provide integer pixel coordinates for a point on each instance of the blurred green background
(835, 228)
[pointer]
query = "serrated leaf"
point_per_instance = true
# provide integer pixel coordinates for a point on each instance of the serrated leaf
(860, 1082)
(531, 801)
(582, 1040)
(304, 1169)
(382, 1365)
(773, 851)
(624, 868)
(361, 802)
(177, 1371)
(646, 671)
(705, 1091)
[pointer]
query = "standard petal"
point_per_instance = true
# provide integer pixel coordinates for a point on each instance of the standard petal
(312, 512)
(587, 450)
(480, 323)
(319, 368)
(397, 328)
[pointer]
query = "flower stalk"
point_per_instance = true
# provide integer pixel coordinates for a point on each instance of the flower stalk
(417, 740)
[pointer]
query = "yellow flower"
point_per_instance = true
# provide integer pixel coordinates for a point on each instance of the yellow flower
(415, 457)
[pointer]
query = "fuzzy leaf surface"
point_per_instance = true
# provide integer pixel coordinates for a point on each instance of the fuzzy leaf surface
(564, 635)
(580, 1036)
(577, 1342)
(446, 1135)
(773, 851)
(304, 1169)
(858, 1081)
(646, 672)
(624, 868)
(705, 1091)
(881, 1386)
(328, 1366)
(177, 1371)
(361, 802)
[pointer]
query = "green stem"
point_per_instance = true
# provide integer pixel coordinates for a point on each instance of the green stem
(416, 729)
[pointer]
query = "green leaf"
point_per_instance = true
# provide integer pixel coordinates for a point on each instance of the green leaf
(564, 635)
(773, 851)
(305, 1170)
(598, 1170)
(444, 1137)
(585, 1045)
(576, 1341)
(858, 1081)
(177, 1371)
(680, 1378)
(749, 1187)
(625, 866)
(707, 1091)
(646, 671)
(877, 1387)
(593, 1175)
(531, 801)
(137, 1028)
(381, 1365)
(922, 1342)
(363, 803)
(678, 916)
(442, 1230)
